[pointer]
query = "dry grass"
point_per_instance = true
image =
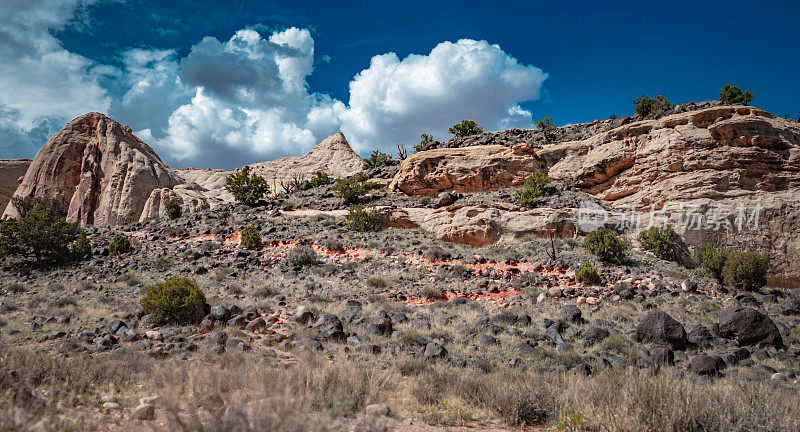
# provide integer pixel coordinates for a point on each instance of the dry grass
(249, 392)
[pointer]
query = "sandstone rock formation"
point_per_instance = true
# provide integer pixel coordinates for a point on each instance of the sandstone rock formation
(468, 169)
(332, 155)
(479, 225)
(98, 169)
(201, 189)
(11, 172)
(718, 173)
(729, 174)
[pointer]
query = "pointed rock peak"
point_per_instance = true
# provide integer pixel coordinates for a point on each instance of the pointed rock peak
(336, 141)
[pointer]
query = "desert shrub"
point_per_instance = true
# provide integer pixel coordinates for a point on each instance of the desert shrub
(362, 219)
(352, 188)
(547, 126)
(302, 255)
(320, 179)
(425, 140)
(662, 241)
(40, 233)
(587, 274)
(712, 257)
(649, 107)
(250, 238)
(174, 209)
(82, 248)
(731, 94)
(177, 301)
(535, 187)
(247, 188)
(607, 245)
(376, 159)
(465, 128)
(745, 270)
(119, 245)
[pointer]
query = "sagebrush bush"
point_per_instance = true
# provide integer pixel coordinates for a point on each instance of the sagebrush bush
(587, 274)
(247, 188)
(320, 179)
(40, 234)
(302, 255)
(607, 245)
(649, 107)
(250, 238)
(175, 301)
(534, 187)
(174, 209)
(119, 245)
(662, 241)
(377, 158)
(745, 270)
(712, 257)
(363, 219)
(82, 248)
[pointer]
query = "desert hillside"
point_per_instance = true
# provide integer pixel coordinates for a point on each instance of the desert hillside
(627, 274)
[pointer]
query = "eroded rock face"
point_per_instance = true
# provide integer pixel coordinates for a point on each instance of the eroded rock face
(479, 225)
(737, 167)
(11, 173)
(716, 153)
(201, 189)
(468, 169)
(98, 169)
(332, 155)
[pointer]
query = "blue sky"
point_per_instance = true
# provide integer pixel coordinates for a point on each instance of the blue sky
(214, 84)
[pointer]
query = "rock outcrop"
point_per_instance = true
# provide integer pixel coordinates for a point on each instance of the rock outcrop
(715, 173)
(11, 172)
(333, 156)
(725, 174)
(468, 169)
(98, 170)
(201, 189)
(479, 225)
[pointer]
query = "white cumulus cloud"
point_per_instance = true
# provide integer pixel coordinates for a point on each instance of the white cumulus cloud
(231, 102)
(393, 100)
(41, 83)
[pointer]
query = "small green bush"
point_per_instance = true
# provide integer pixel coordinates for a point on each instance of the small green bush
(176, 301)
(662, 241)
(424, 141)
(321, 179)
(352, 188)
(250, 238)
(119, 245)
(731, 94)
(607, 245)
(174, 209)
(40, 234)
(587, 274)
(745, 270)
(465, 128)
(534, 187)
(547, 126)
(301, 256)
(363, 220)
(712, 257)
(82, 248)
(246, 188)
(376, 159)
(649, 107)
